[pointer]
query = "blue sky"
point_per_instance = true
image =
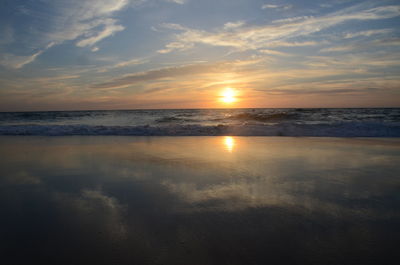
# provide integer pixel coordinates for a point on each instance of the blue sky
(123, 54)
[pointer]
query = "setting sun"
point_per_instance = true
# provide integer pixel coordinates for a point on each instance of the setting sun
(228, 95)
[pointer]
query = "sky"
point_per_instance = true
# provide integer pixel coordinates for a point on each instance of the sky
(152, 54)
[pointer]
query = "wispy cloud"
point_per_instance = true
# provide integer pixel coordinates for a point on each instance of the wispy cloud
(294, 43)
(273, 52)
(110, 28)
(135, 61)
(273, 6)
(292, 19)
(339, 48)
(364, 44)
(367, 33)
(234, 25)
(170, 73)
(56, 78)
(297, 91)
(89, 20)
(85, 21)
(355, 62)
(181, 2)
(248, 37)
(172, 46)
(15, 61)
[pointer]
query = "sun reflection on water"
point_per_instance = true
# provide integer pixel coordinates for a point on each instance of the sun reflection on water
(229, 143)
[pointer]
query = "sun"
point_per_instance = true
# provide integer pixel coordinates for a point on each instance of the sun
(228, 96)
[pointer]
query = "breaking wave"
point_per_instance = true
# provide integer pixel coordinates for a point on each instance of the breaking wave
(264, 117)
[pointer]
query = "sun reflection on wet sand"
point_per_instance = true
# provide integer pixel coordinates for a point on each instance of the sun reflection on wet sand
(229, 143)
(187, 195)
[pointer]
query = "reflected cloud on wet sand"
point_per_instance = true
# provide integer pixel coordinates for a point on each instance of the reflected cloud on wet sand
(197, 199)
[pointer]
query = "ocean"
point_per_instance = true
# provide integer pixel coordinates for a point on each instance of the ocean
(359, 122)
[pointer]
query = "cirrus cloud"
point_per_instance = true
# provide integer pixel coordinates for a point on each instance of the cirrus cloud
(251, 37)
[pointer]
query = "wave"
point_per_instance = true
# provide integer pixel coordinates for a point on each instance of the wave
(263, 117)
(169, 119)
(350, 129)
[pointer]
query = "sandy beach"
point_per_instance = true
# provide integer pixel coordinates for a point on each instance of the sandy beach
(199, 200)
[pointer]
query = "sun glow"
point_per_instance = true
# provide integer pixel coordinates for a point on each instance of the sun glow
(228, 96)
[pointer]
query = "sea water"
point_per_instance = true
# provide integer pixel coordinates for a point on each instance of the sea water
(359, 122)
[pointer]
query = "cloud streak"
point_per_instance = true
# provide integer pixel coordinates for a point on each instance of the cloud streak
(180, 2)
(167, 72)
(110, 28)
(16, 62)
(250, 37)
(367, 33)
(280, 7)
(89, 20)
(86, 22)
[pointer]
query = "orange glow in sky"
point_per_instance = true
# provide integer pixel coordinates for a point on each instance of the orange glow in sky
(228, 96)
(274, 55)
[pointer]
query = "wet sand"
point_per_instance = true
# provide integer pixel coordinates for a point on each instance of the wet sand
(199, 200)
